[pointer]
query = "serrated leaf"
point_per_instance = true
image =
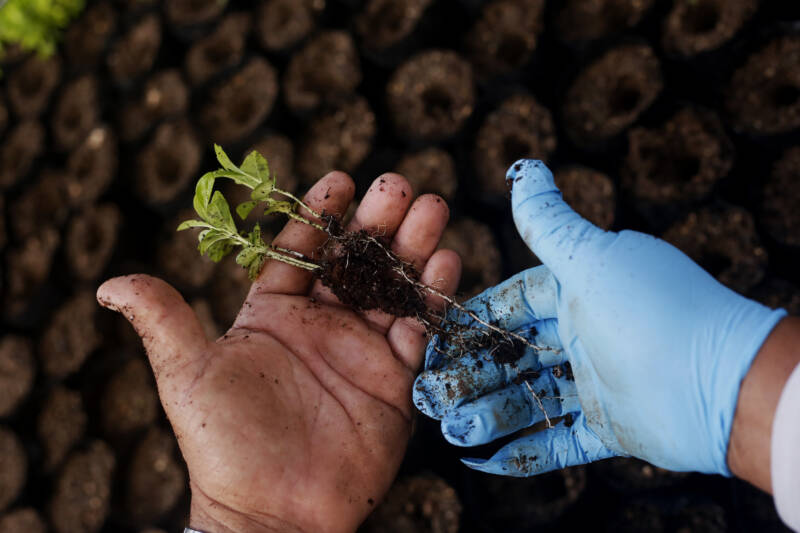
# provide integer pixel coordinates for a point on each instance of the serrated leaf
(223, 158)
(279, 207)
(256, 165)
(245, 208)
(186, 224)
(219, 213)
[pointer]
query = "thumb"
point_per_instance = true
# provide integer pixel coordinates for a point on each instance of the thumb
(561, 238)
(170, 331)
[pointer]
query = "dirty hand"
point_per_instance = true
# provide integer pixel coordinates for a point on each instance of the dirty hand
(298, 418)
(657, 346)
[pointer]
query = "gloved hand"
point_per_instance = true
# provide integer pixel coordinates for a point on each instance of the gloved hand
(657, 346)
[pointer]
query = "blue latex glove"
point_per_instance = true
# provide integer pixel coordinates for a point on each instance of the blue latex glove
(657, 346)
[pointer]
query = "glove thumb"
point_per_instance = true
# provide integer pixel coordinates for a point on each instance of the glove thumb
(560, 237)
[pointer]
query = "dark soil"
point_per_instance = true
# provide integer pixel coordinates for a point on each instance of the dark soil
(92, 167)
(582, 21)
(697, 26)
(28, 266)
(776, 292)
(41, 204)
(420, 504)
(61, 424)
(480, 255)
(520, 127)
(679, 162)
(611, 93)
(17, 371)
(220, 50)
(781, 198)
(430, 171)
(431, 95)
(130, 402)
(383, 24)
(191, 12)
(82, 495)
(20, 149)
(30, 85)
(723, 240)
(135, 52)
(3, 115)
(168, 163)
(90, 241)
(71, 336)
(25, 520)
(87, 38)
(504, 37)
(156, 480)
(764, 94)
(177, 257)
(632, 475)
(281, 24)
(164, 95)
(325, 70)
(13, 467)
(340, 138)
(240, 104)
(589, 192)
(77, 111)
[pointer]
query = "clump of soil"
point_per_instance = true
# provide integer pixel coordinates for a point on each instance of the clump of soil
(589, 192)
(30, 85)
(531, 501)
(17, 370)
(611, 93)
(696, 26)
(632, 475)
(76, 112)
(323, 71)
(130, 402)
(156, 480)
(781, 197)
(383, 24)
(419, 504)
(582, 21)
(764, 94)
(220, 50)
(778, 293)
(177, 255)
(480, 255)
(431, 170)
(82, 496)
(168, 163)
(61, 424)
(192, 12)
(164, 95)
(25, 520)
(282, 24)
(91, 238)
(86, 39)
(722, 240)
(339, 138)
(431, 95)
(519, 128)
(92, 166)
(229, 288)
(135, 52)
(678, 163)
(70, 337)
(28, 266)
(13, 467)
(504, 37)
(41, 204)
(20, 149)
(240, 104)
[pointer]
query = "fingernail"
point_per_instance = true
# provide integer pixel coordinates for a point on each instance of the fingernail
(421, 397)
(463, 430)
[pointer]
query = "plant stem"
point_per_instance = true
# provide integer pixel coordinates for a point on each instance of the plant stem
(279, 254)
(299, 202)
(304, 220)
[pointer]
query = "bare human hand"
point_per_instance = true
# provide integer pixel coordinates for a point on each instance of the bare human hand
(296, 419)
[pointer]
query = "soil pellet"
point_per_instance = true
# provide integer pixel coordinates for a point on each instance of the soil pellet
(60, 425)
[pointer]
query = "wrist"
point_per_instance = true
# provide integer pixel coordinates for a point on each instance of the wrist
(749, 448)
(210, 516)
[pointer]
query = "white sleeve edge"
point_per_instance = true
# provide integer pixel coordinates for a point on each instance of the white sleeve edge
(785, 453)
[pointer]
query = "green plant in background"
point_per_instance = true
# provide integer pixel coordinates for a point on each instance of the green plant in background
(35, 25)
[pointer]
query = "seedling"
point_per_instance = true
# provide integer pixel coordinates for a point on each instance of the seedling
(358, 266)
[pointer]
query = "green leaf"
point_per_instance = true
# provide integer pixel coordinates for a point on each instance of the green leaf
(262, 192)
(245, 208)
(186, 224)
(209, 238)
(202, 194)
(219, 250)
(224, 160)
(279, 206)
(219, 213)
(256, 165)
(248, 255)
